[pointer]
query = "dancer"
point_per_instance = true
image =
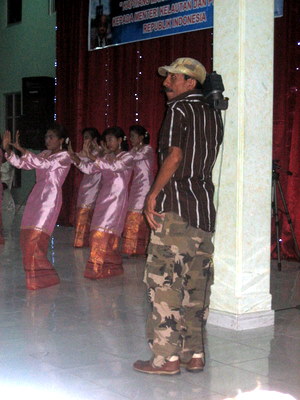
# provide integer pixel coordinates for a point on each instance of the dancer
(136, 230)
(88, 191)
(43, 204)
(111, 205)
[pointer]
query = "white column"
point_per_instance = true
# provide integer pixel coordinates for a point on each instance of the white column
(243, 55)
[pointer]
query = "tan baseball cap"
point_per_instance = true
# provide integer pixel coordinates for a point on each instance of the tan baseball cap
(187, 66)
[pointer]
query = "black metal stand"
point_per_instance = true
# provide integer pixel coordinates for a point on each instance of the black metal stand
(276, 184)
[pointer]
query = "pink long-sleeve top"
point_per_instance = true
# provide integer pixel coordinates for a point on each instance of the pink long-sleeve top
(45, 200)
(142, 177)
(112, 200)
(89, 188)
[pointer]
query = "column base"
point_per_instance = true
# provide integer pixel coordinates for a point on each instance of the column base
(241, 322)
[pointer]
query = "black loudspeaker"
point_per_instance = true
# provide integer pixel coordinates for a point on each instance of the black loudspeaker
(38, 110)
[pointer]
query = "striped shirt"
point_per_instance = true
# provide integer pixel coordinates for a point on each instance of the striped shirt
(197, 129)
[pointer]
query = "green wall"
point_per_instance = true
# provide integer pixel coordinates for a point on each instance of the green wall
(27, 49)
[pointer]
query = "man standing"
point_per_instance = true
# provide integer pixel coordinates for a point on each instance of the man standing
(181, 214)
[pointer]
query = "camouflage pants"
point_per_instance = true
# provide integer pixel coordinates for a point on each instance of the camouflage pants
(178, 275)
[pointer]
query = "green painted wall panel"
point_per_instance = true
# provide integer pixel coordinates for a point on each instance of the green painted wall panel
(27, 49)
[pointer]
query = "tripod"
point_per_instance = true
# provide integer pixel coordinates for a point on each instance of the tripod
(276, 184)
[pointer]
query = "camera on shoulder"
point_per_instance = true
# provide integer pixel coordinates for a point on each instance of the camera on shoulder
(213, 89)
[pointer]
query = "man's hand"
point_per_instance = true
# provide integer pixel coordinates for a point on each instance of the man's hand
(149, 211)
(168, 168)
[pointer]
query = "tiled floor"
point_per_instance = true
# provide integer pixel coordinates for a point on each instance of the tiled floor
(78, 340)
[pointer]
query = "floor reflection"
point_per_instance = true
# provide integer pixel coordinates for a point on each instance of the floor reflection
(80, 338)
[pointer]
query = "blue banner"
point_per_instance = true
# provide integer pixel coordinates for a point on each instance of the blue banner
(278, 8)
(119, 22)
(113, 22)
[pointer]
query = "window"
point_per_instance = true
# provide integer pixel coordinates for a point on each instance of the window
(14, 11)
(12, 110)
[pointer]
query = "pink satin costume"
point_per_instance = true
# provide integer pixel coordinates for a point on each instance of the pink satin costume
(136, 230)
(87, 195)
(1, 194)
(41, 213)
(109, 215)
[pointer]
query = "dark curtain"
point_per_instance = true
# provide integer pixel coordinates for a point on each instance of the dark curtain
(112, 86)
(286, 134)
